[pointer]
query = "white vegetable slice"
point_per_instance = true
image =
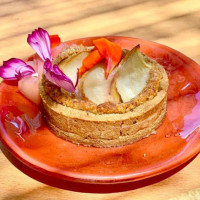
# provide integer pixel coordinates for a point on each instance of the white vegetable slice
(70, 67)
(95, 87)
(132, 75)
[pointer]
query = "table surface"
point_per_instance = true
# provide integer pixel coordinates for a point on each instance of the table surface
(175, 23)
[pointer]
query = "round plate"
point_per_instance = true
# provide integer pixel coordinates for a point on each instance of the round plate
(27, 139)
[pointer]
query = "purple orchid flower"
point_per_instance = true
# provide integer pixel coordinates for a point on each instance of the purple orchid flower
(57, 77)
(39, 40)
(15, 69)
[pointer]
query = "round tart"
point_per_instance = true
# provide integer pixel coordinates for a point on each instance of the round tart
(107, 110)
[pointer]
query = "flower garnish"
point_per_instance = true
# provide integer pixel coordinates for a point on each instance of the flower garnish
(27, 74)
(15, 69)
(39, 40)
(57, 77)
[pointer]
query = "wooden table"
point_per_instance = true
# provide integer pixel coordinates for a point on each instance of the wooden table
(175, 23)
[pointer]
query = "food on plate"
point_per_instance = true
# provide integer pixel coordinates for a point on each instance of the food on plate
(98, 95)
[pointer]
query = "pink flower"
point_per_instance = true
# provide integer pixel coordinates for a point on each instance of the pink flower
(15, 69)
(39, 40)
(57, 77)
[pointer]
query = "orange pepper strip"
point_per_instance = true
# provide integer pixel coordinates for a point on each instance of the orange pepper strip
(90, 61)
(55, 40)
(111, 51)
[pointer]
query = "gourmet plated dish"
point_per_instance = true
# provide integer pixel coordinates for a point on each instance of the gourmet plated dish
(99, 95)
(59, 105)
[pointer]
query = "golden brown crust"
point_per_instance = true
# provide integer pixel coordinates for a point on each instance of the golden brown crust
(119, 135)
(106, 130)
(72, 51)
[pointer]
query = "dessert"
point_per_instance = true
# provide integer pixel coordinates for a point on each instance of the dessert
(100, 95)
(101, 118)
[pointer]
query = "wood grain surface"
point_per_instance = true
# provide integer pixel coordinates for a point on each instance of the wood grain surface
(175, 23)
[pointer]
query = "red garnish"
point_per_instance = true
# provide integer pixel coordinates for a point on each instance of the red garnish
(111, 51)
(90, 61)
(105, 49)
(55, 40)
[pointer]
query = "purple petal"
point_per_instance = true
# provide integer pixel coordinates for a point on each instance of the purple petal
(15, 69)
(57, 77)
(39, 40)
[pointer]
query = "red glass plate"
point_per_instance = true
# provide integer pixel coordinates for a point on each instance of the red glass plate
(26, 139)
